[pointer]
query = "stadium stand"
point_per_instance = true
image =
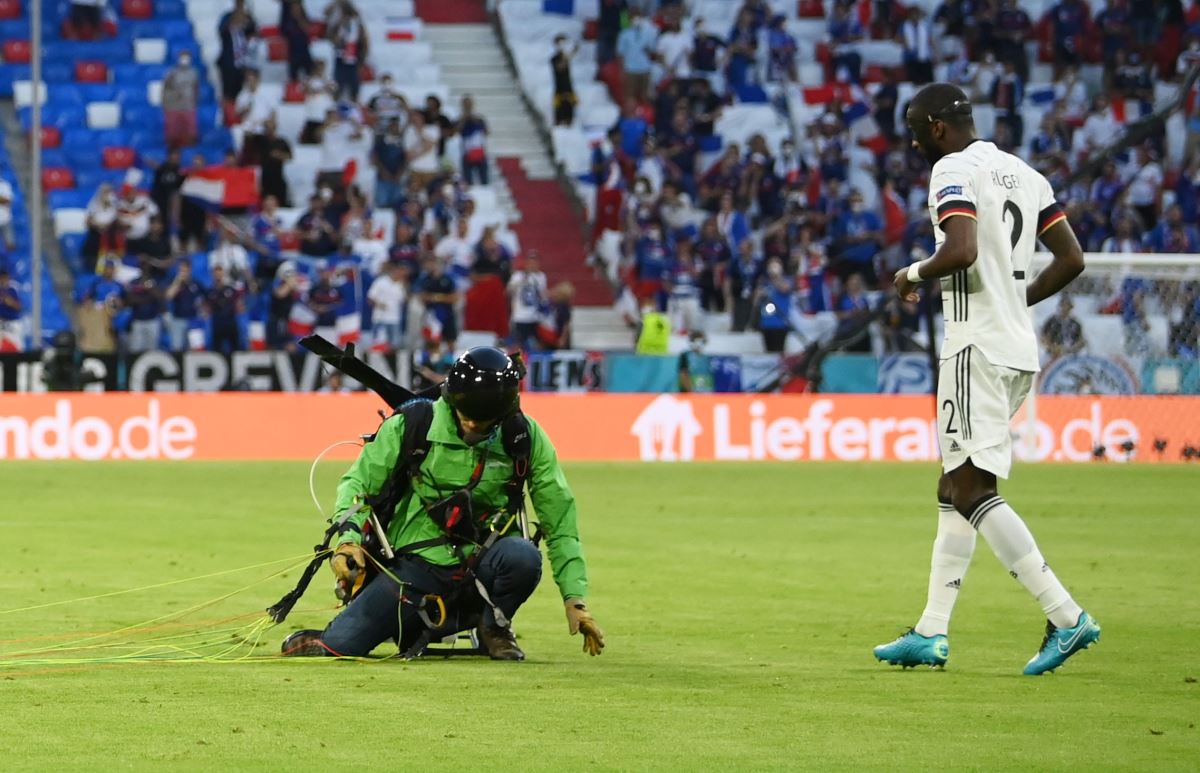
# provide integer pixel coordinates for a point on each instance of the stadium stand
(812, 96)
(798, 116)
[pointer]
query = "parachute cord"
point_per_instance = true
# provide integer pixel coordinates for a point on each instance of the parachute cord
(312, 472)
(154, 586)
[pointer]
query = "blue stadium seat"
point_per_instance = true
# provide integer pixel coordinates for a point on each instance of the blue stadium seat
(82, 153)
(78, 138)
(58, 50)
(65, 95)
(217, 138)
(69, 199)
(18, 29)
(151, 157)
(108, 137)
(177, 29)
(88, 180)
(206, 117)
(10, 73)
(170, 9)
(71, 244)
(149, 142)
(54, 157)
(142, 116)
(54, 114)
(97, 92)
(142, 28)
(58, 72)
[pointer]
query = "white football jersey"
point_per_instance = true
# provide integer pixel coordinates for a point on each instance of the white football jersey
(984, 306)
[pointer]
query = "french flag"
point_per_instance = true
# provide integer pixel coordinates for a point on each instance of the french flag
(302, 320)
(217, 188)
(402, 28)
(256, 333)
(11, 339)
(348, 327)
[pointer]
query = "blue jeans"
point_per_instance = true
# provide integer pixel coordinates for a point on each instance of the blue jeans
(510, 571)
(388, 195)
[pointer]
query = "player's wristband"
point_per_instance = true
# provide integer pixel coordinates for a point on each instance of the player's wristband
(914, 272)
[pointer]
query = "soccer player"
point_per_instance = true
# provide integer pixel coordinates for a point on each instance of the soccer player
(989, 208)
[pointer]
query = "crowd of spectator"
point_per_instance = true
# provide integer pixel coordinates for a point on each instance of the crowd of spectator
(774, 237)
(444, 269)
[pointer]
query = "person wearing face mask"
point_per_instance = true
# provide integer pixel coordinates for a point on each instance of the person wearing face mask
(695, 367)
(452, 535)
(858, 233)
(564, 88)
(387, 105)
(636, 47)
(651, 255)
(180, 94)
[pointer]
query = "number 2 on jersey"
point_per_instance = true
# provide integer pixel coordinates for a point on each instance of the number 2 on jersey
(1010, 208)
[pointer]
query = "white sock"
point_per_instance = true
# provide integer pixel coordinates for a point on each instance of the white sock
(952, 551)
(1013, 544)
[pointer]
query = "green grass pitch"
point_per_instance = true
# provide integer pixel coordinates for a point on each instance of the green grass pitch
(740, 603)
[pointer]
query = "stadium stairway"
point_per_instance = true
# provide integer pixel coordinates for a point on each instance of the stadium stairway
(472, 62)
(551, 226)
(451, 11)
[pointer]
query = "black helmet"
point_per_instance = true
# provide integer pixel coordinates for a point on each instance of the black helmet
(483, 385)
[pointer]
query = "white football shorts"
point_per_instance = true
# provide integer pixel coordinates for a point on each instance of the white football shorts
(976, 402)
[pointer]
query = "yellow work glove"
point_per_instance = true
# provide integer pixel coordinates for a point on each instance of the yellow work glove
(579, 620)
(349, 565)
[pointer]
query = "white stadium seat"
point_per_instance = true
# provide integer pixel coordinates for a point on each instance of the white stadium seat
(23, 93)
(149, 50)
(103, 115)
(70, 221)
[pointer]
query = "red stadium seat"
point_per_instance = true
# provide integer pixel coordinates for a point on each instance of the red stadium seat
(269, 31)
(51, 137)
(874, 73)
(811, 9)
(57, 178)
(276, 49)
(16, 52)
(118, 157)
(10, 9)
(137, 9)
(91, 72)
(293, 92)
(289, 241)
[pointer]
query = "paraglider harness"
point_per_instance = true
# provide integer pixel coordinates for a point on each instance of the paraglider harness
(454, 514)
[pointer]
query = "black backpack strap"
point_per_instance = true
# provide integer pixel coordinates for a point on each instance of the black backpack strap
(414, 447)
(518, 444)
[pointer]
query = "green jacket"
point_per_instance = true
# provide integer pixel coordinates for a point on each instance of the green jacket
(449, 464)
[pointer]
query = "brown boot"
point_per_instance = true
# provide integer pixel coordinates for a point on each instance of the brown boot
(306, 643)
(500, 643)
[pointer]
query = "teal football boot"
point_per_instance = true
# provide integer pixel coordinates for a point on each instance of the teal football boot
(912, 649)
(1062, 643)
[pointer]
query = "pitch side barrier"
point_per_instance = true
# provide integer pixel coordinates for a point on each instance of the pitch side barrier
(591, 427)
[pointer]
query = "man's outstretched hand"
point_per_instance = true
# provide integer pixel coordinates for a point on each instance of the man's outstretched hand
(579, 620)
